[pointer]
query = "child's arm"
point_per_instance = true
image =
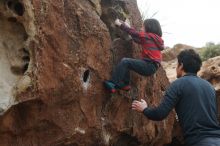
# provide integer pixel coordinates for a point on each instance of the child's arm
(134, 34)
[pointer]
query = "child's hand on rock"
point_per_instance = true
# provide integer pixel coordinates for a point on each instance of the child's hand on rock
(127, 23)
(118, 22)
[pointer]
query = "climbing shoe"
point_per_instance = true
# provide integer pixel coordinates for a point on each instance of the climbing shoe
(126, 87)
(123, 86)
(110, 86)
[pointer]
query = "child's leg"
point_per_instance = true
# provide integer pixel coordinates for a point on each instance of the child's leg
(121, 72)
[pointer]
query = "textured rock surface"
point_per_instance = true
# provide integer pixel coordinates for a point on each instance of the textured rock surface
(170, 61)
(59, 54)
(14, 52)
(211, 72)
(170, 54)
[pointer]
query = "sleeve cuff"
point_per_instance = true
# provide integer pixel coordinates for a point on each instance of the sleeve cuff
(145, 110)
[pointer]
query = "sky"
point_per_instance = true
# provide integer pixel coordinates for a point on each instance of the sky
(191, 22)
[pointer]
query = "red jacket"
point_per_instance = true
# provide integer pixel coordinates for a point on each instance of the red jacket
(152, 44)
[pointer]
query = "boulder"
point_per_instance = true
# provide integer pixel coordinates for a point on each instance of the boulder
(210, 71)
(170, 59)
(170, 54)
(55, 56)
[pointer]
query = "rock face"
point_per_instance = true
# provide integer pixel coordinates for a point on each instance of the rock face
(211, 72)
(54, 56)
(170, 54)
(170, 61)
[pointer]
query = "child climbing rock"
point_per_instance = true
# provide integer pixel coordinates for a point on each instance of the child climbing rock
(152, 45)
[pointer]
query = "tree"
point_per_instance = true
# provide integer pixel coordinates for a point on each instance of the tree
(210, 50)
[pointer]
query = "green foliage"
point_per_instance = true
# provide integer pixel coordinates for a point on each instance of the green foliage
(210, 50)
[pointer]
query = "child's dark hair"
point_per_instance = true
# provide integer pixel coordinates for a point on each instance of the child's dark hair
(153, 26)
(191, 61)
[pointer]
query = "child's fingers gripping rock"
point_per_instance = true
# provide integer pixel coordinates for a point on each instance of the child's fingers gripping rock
(118, 22)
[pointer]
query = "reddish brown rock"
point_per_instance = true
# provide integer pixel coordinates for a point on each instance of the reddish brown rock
(170, 59)
(211, 72)
(60, 99)
(170, 54)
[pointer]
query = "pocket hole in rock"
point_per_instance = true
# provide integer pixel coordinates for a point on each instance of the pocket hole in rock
(16, 7)
(9, 3)
(12, 19)
(21, 67)
(19, 9)
(86, 75)
(213, 68)
(25, 68)
(25, 58)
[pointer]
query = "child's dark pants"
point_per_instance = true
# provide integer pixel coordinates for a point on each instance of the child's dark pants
(121, 74)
